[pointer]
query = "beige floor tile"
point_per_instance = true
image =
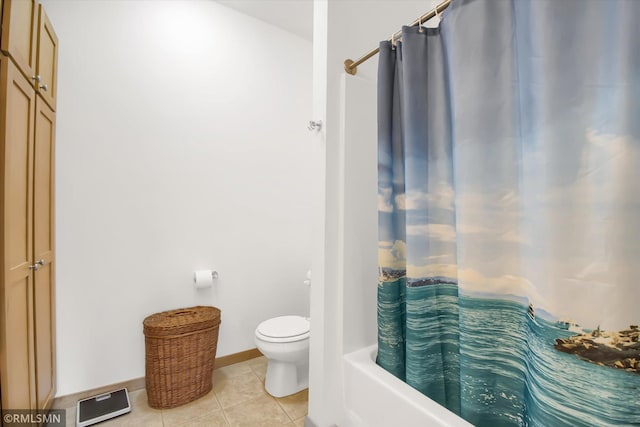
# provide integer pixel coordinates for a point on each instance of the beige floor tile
(259, 366)
(140, 402)
(299, 422)
(296, 405)
(213, 419)
(262, 411)
(238, 389)
(231, 371)
(261, 360)
(196, 409)
(234, 390)
(135, 419)
(141, 414)
(71, 417)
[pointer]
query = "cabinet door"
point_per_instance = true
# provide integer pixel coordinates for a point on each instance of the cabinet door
(16, 293)
(47, 59)
(43, 228)
(19, 28)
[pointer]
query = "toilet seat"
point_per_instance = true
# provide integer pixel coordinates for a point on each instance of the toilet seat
(284, 329)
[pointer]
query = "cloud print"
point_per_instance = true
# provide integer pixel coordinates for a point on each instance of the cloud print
(507, 284)
(473, 281)
(384, 200)
(514, 237)
(420, 271)
(440, 232)
(606, 162)
(392, 255)
(441, 197)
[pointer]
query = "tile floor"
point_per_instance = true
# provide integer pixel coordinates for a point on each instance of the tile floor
(238, 399)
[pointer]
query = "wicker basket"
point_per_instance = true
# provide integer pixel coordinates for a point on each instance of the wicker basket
(180, 348)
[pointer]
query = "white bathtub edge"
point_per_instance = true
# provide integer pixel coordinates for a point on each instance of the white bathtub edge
(371, 394)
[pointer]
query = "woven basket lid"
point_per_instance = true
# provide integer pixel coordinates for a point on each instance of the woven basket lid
(181, 321)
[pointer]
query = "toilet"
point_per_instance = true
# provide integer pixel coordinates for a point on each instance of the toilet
(284, 341)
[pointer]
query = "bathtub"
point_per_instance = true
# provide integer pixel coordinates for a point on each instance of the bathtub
(375, 398)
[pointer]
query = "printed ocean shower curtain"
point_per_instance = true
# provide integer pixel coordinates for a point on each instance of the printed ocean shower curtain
(509, 211)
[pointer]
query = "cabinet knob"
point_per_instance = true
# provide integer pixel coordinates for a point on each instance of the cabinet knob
(44, 87)
(36, 266)
(36, 78)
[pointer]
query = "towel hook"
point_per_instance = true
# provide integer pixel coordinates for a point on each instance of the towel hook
(315, 125)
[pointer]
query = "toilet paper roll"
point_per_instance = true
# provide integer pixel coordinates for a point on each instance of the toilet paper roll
(203, 279)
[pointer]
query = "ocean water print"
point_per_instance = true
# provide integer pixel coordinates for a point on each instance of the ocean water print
(496, 362)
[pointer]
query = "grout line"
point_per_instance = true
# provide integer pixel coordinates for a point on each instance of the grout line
(226, 419)
(162, 417)
(224, 414)
(284, 410)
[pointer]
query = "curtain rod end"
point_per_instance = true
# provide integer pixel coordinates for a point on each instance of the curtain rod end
(349, 67)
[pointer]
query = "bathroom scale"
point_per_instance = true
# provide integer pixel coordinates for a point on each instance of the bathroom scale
(102, 407)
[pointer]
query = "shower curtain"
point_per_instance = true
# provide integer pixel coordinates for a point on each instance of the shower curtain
(509, 211)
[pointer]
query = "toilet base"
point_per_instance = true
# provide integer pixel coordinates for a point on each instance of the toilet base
(284, 379)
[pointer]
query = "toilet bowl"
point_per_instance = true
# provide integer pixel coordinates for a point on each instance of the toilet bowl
(284, 341)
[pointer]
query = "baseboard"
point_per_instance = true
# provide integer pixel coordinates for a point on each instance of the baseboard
(237, 358)
(70, 400)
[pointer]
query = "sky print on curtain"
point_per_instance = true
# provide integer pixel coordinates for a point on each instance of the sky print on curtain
(563, 227)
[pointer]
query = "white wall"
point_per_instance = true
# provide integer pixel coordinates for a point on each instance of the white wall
(347, 29)
(181, 145)
(360, 192)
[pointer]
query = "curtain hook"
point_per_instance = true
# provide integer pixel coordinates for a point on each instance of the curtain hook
(393, 42)
(420, 29)
(437, 14)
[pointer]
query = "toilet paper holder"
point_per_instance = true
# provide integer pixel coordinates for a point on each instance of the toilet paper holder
(214, 274)
(204, 278)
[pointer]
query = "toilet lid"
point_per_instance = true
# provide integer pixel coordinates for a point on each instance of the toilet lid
(284, 327)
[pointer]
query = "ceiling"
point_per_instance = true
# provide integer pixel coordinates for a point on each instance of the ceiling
(295, 16)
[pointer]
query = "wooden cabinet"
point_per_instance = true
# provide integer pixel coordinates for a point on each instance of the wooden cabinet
(27, 267)
(17, 346)
(19, 33)
(46, 60)
(43, 252)
(29, 39)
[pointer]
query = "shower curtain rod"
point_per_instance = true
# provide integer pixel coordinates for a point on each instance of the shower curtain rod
(351, 66)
